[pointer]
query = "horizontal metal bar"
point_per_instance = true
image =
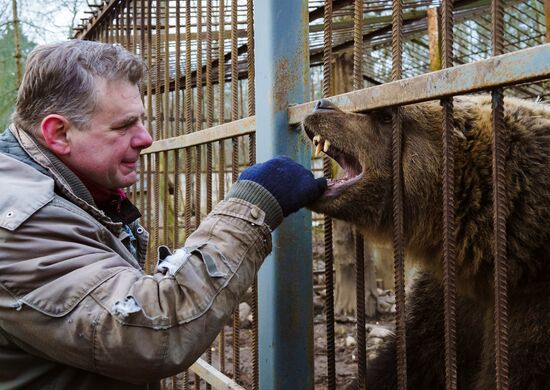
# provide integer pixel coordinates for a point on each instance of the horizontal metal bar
(214, 377)
(238, 128)
(513, 68)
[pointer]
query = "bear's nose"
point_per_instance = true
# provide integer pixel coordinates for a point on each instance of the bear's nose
(323, 104)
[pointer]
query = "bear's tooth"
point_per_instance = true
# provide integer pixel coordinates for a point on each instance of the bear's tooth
(318, 149)
(327, 145)
(316, 139)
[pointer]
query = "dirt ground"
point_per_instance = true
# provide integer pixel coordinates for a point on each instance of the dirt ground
(345, 356)
(345, 348)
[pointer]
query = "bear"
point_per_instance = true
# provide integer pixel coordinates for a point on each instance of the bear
(360, 143)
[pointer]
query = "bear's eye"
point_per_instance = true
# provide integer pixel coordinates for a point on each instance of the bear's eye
(384, 116)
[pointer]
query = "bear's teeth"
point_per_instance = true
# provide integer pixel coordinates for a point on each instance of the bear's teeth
(316, 139)
(327, 145)
(318, 149)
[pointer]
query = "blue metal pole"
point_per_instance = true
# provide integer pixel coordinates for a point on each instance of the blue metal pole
(285, 280)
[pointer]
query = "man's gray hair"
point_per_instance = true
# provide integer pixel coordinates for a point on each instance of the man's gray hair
(61, 79)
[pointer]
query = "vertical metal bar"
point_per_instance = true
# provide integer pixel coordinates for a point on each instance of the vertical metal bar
(221, 144)
(499, 218)
(221, 193)
(235, 167)
(188, 86)
(359, 243)
(358, 45)
(285, 282)
(360, 299)
(134, 28)
(327, 221)
(198, 67)
(149, 210)
(166, 59)
(198, 180)
(149, 27)
(177, 76)
(397, 136)
(221, 50)
(188, 117)
(176, 197)
(165, 196)
(188, 200)
(158, 95)
(449, 245)
(156, 187)
(251, 108)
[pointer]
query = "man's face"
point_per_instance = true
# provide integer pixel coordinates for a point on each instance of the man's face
(107, 154)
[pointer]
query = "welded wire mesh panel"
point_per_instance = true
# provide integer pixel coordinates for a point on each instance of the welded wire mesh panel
(199, 54)
(199, 86)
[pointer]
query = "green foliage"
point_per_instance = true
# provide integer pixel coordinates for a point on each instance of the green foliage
(8, 75)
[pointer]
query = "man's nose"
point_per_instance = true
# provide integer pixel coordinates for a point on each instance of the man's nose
(142, 139)
(324, 104)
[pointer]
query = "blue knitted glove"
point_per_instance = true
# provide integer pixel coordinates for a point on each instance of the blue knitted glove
(289, 183)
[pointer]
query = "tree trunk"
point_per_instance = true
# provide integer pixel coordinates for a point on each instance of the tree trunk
(17, 42)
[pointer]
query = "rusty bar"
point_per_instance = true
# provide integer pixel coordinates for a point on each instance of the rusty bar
(397, 195)
(177, 92)
(499, 217)
(521, 66)
(149, 213)
(198, 66)
(134, 28)
(198, 151)
(358, 45)
(188, 96)
(188, 200)
(327, 221)
(250, 57)
(449, 244)
(176, 198)
(156, 227)
(158, 96)
(149, 63)
(117, 26)
(235, 168)
(166, 59)
(360, 301)
(221, 70)
(165, 196)
(251, 109)
(238, 128)
(221, 194)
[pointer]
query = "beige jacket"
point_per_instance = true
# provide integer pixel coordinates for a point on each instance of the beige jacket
(77, 310)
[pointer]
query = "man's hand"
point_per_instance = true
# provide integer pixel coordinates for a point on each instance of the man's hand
(290, 183)
(279, 187)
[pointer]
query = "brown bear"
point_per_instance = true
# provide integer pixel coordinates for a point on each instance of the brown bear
(361, 144)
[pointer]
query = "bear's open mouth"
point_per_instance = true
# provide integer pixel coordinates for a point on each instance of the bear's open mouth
(353, 171)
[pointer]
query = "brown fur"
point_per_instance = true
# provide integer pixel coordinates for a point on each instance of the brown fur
(368, 204)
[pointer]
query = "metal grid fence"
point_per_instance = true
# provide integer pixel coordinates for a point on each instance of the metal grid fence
(199, 96)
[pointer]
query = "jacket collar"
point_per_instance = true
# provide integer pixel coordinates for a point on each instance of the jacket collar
(66, 182)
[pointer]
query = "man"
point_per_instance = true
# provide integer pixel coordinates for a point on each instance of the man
(76, 309)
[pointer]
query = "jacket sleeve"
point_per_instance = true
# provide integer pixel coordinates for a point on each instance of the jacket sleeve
(131, 326)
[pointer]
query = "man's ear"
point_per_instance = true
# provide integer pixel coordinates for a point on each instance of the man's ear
(55, 130)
